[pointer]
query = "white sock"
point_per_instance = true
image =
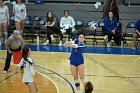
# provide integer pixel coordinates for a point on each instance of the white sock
(47, 41)
(52, 37)
(106, 36)
(60, 41)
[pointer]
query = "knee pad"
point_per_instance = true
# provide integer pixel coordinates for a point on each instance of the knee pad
(77, 84)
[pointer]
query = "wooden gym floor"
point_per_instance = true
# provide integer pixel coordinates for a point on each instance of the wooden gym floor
(108, 73)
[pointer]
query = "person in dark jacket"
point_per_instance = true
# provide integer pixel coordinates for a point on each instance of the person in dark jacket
(110, 27)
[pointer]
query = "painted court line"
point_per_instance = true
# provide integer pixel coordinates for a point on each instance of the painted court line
(73, 91)
(50, 80)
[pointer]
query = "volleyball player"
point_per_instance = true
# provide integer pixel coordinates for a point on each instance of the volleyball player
(29, 72)
(4, 21)
(88, 86)
(19, 10)
(77, 60)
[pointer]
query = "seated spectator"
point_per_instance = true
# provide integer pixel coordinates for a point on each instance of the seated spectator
(67, 24)
(111, 29)
(136, 34)
(51, 25)
(88, 86)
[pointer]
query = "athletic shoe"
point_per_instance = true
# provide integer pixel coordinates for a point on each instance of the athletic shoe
(60, 43)
(106, 38)
(46, 43)
(133, 48)
(108, 44)
(52, 38)
(4, 72)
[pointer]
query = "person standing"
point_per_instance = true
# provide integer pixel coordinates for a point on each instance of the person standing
(19, 10)
(14, 43)
(27, 62)
(4, 21)
(77, 59)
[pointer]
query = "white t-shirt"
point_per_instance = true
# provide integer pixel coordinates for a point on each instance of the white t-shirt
(20, 12)
(65, 23)
(4, 14)
(28, 70)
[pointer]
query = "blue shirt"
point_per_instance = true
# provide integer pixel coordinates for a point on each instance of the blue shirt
(76, 53)
(138, 25)
(110, 24)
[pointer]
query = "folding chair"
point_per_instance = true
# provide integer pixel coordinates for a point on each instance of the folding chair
(79, 28)
(27, 28)
(129, 30)
(34, 26)
(99, 32)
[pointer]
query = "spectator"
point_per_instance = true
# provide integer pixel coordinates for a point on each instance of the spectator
(67, 24)
(111, 28)
(136, 34)
(4, 21)
(51, 25)
(19, 10)
(14, 43)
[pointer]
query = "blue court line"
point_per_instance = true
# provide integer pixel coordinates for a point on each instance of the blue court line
(59, 76)
(91, 49)
(56, 74)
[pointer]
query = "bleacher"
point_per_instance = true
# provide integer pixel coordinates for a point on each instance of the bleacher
(132, 2)
(83, 10)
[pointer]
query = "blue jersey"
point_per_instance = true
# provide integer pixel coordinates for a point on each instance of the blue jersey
(138, 25)
(76, 57)
(110, 25)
